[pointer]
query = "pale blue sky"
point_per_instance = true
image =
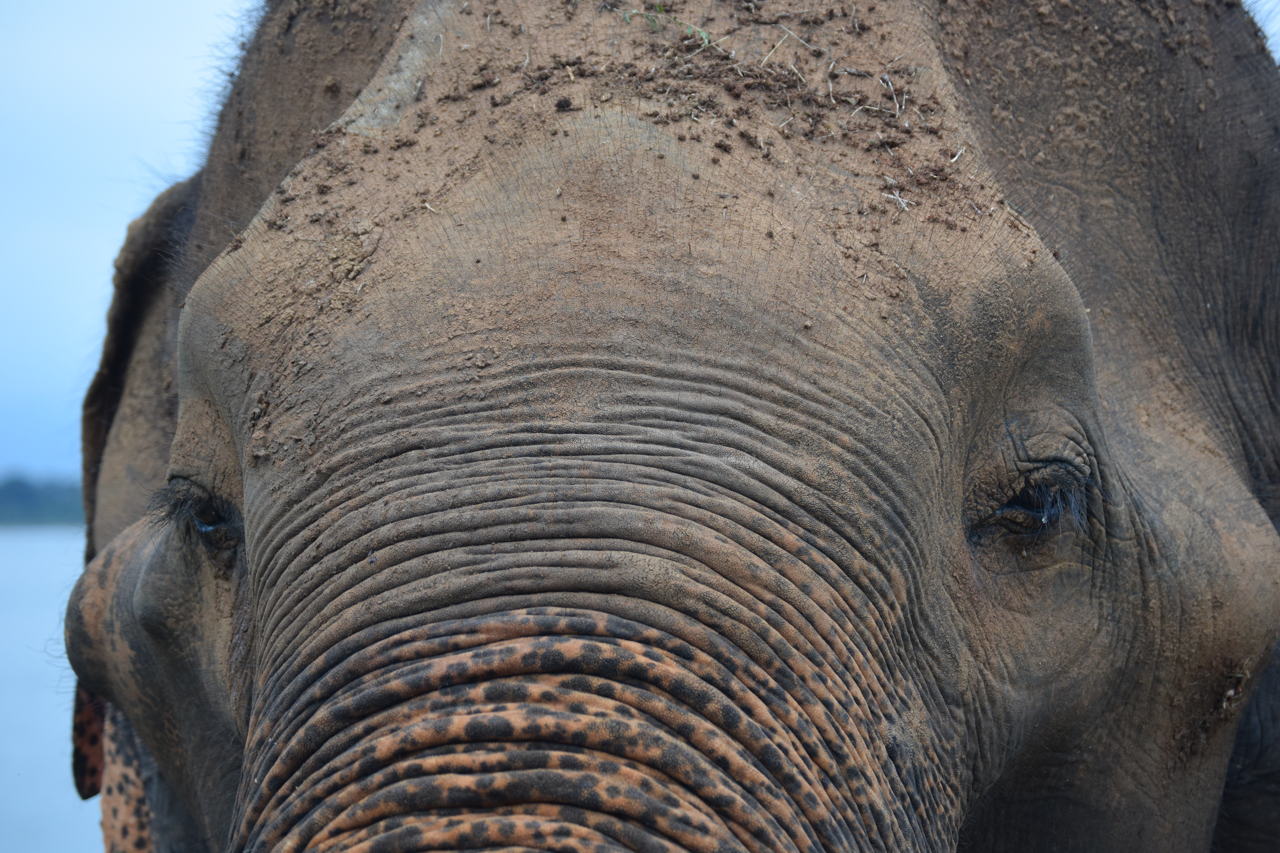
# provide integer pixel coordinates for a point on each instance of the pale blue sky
(106, 104)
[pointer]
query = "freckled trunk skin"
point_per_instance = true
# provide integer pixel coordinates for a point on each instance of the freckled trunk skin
(126, 814)
(515, 728)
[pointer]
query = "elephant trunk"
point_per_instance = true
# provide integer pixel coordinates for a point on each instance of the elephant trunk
(552, 655)
(550, 723)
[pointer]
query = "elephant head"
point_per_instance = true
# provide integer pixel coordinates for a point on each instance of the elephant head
(715, 427)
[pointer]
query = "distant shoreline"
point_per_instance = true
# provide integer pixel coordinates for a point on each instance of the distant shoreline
(25, 502)
(7, 524)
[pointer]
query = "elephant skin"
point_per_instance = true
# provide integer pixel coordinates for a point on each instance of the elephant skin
(719, 426)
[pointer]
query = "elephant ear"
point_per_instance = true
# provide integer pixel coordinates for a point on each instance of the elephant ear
(130, 410)
(128, 421)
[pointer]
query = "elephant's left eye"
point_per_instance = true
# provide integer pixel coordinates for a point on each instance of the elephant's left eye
(193, 509)
(207, 519)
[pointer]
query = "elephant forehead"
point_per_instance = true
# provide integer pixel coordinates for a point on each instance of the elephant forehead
(867, 244)
(613, 237)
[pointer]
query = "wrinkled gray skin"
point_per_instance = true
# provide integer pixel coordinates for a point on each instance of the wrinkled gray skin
(567, 450)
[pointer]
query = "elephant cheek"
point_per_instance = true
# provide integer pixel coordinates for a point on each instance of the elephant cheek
(95, 633)
(92, 644)
(87, 618)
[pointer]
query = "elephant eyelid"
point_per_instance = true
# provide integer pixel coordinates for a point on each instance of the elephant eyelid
(191, 507)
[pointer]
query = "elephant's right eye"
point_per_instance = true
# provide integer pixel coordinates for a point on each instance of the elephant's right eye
(1039, 507)
(193, 510)
(1045, 500)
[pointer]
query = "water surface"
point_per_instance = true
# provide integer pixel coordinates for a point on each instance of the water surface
(39, 809)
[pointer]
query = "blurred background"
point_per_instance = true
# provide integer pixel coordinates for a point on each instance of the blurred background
(106, 104)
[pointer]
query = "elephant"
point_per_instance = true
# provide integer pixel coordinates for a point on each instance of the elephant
(719, 425)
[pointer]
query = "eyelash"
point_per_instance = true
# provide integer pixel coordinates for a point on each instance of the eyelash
(1051, 501)
(193, 510)
(1045, 499)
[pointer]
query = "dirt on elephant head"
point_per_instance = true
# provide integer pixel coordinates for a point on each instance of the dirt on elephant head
(837, 117)
(850, 98)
